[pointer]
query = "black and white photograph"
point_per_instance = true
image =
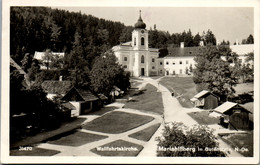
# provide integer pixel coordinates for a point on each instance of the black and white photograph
(125, 82)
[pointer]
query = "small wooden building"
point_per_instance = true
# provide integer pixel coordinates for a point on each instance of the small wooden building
(233, 115)
(205, 100)
(83, 99)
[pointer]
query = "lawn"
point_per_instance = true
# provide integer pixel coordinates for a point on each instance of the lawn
(240, 140)
(147, 99)
(34, 152)
(145, 134)
(77, 139)
(118, 148)
(117, 122)
(181, 86)
(203, 118)
(244, 88)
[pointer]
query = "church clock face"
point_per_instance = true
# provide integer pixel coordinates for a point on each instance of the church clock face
(142, 31)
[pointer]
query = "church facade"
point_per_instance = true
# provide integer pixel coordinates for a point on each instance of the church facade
(140, 60)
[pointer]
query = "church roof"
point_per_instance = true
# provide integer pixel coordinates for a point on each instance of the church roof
(140, 24)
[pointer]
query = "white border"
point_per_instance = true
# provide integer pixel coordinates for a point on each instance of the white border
(5, 158)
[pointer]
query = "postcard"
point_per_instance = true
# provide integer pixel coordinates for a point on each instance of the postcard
(130, 82)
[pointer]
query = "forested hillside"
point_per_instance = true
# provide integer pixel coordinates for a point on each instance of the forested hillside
(40, 28)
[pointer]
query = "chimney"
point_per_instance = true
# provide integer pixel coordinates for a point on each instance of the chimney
(182, 44)
(201, 43)
(60, 78)
(236, 41)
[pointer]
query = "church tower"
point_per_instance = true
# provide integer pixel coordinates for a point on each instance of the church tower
(140, 35)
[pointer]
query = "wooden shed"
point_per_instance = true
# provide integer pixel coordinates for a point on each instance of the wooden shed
(83, 99)
(233, 115)
(205, 100)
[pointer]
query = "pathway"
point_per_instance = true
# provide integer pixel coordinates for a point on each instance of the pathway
(174, 112)
(77, 151)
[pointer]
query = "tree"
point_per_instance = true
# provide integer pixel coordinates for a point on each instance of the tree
(27, 62)
(177, 140)
(196, 40)
(126, 34)
(106, 73)
(213, 73)
(210, 38)
(250, 39)
(33, 70)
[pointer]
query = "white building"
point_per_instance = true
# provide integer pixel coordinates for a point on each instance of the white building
(140, 60)
(40, 56)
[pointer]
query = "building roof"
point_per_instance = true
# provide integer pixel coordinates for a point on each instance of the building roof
(186, 51)
(56, 87)
(126, 44)
(14, 64)
(227, 106)
(40, 55)
(201, 94)
(87, 95)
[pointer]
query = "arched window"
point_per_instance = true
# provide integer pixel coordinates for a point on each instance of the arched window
(152, 59)
(142, 41)
(134, 41)
(142, 59)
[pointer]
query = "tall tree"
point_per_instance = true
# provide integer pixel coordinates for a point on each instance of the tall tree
(210, 38)
(106, 73)
(214, 74)
(197, 39)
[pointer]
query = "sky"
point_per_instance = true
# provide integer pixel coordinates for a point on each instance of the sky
(227, 23)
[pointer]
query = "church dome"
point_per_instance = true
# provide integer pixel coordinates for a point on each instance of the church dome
(140, 24)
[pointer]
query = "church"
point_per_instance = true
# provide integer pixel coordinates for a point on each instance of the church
(140, 60)
(136, 56)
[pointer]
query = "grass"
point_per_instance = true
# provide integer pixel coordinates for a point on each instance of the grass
(181, 86)
(203, 118)
(77, 139)
(145, 134)
(244, 88)
(66, 127)
(121, 148)
(240, 140)
(117, 122)
(34, 152)
(148, 100)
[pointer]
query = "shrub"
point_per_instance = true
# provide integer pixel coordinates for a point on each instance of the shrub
(178, 140)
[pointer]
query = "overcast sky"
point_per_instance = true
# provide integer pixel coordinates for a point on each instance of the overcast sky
(228, 23)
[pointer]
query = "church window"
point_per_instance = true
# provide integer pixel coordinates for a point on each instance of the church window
(142, 41)
(134, 41)
(153, 67)
(152, 59)
(142, 59)
(160, 63)
(173, 63)
(167, 62)
(160, 71)
(125, 58)
(180, 62)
